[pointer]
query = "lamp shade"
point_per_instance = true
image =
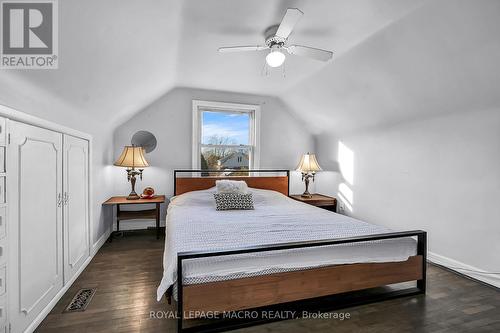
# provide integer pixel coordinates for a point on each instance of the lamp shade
(132, 157)
(308, 163)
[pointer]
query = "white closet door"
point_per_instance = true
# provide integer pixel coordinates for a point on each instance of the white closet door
(76, 204)
(35, 221)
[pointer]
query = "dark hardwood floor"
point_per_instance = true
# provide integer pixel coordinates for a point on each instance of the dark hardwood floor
(127, 271)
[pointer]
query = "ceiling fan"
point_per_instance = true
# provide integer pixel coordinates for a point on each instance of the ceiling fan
(276, 41)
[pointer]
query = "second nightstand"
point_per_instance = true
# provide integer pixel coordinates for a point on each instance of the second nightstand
(318, 200)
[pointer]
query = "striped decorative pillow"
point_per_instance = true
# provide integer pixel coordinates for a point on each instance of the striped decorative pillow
(233, 201)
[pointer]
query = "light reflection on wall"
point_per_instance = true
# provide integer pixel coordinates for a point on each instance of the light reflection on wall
(346, 165)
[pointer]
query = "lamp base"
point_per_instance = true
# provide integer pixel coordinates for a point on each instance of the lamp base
(131, 173)
(133, 196)
(305, 178)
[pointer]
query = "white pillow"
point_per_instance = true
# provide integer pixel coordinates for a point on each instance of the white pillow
(231, 186)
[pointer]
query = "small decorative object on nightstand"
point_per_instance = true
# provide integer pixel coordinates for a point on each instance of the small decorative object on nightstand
(148, 193)
(132, 157)
(308, 165)
(318, 200)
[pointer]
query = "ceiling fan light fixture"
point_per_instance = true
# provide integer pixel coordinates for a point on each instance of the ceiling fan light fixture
(275, 58)
(276, 39)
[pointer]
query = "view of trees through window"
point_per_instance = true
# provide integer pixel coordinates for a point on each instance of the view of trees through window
(225, 140)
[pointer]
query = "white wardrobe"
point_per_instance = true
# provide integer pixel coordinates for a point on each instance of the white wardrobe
(48, 234)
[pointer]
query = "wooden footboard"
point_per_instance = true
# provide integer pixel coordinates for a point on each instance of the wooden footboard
(247, 293)
(298, 290)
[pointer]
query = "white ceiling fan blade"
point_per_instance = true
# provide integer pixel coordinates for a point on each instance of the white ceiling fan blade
(242, 48)
(292, 16)
(311, 52)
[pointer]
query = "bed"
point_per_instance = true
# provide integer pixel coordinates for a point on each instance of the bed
(278, 256)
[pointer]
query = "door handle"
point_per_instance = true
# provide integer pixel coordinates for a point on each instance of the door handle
(59, 200)
(66, 198)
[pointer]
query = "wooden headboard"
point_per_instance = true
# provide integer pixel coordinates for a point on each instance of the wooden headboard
(183, 184)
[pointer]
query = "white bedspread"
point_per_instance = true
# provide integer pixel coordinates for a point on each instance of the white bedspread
(193, 224)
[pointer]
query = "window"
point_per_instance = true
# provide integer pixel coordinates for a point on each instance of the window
(225, 136)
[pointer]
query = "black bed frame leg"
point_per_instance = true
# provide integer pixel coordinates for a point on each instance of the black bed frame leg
(179, 321)
(422, 250)
(168, 295)
(180, 310)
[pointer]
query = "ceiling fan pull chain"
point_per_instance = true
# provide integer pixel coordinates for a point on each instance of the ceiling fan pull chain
(265, 70)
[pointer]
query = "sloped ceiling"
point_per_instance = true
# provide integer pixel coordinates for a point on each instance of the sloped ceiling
(333, 25)
(440, 58)
(116, 56)
(394, 59)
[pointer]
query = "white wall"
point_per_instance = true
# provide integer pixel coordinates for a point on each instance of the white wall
(418, 105)
(283, 138)
(441, 175)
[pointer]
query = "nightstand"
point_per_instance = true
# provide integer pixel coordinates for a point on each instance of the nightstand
(121, 215)
(318, 200)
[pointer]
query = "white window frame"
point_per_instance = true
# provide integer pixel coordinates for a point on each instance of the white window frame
(253, 110)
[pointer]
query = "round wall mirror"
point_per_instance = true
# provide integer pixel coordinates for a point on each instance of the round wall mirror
(144, 139)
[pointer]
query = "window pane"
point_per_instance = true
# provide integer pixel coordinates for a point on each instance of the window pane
(225, 128)
(225, 158)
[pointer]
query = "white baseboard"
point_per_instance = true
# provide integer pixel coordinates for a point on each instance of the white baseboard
(471, 271)
(100, 242)
(41, 316)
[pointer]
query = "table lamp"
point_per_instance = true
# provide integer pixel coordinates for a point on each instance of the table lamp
(132, 157)
(308, 166)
